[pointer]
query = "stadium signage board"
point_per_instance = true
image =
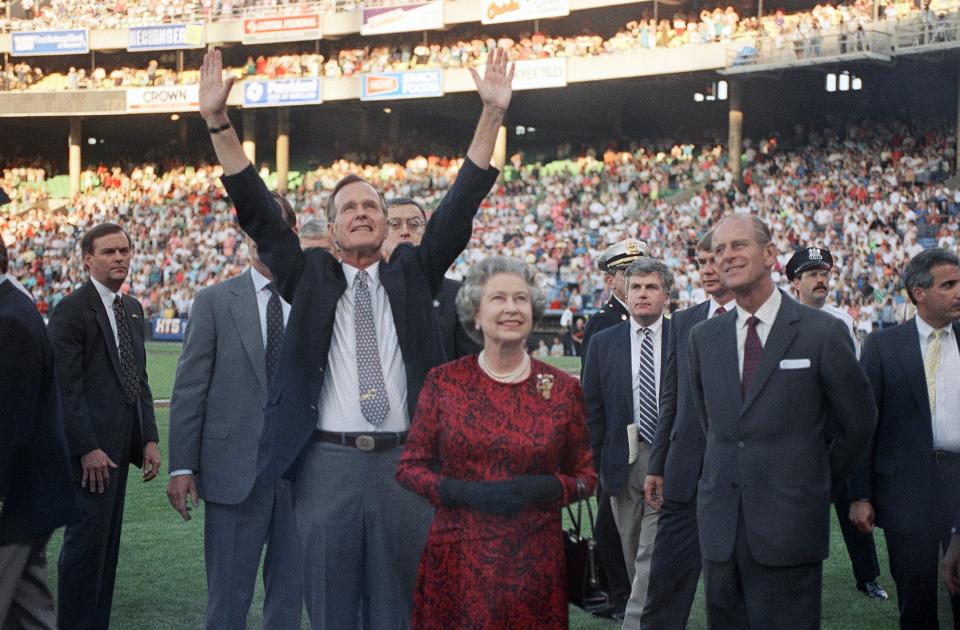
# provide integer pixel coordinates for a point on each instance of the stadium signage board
(71, 42)
(496, 11)
(535, 74)
(382, 86)
(165, 37)
(166, 98)
(281, 92)
(164, 329)
(282, 28)
(401, 18)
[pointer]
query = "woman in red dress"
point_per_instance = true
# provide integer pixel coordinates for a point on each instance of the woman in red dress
(498, 444)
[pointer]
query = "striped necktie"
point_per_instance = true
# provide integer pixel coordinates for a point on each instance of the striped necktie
(647, 411)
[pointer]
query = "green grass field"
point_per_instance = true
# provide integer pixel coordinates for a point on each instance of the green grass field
(161, 583)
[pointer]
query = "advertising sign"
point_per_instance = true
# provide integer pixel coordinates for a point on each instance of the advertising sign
(167, 98)
(382, 86)
(399, 18)
(282, 28)
(535, 74)
(50, 43)
(163, 329)
(495, 11)
(165, 37)
(279, 92)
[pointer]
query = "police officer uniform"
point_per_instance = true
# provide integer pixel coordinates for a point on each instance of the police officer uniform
(613, 259)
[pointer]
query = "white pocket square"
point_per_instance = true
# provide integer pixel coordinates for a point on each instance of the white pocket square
(794, 364)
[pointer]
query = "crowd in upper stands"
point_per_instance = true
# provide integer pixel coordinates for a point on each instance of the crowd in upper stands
(870, 193)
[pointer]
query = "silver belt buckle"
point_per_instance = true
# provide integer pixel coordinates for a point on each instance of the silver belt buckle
(365, 442)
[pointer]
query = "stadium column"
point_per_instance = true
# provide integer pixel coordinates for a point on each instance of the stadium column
(250, 135)
(500, 149)
(283, 148)
(74, 155)
(735, 121)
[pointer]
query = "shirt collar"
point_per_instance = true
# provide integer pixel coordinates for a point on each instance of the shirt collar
(926, 329)
(714, 305)
(622, 303)
(260, 281)
(766, 313)
(654, 327)
(105, 294)
(351, 273)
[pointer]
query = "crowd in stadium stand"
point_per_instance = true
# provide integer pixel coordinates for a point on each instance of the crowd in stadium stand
(869, 193)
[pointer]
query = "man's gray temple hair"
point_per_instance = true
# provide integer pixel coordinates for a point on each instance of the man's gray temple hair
(918, 273)
(314, 228)
(644, 267)
(470, 294)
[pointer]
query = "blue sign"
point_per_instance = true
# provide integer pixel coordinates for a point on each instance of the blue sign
(165, 37)
(163, 329)
(281, 92)
(50, 43)
(379, 86)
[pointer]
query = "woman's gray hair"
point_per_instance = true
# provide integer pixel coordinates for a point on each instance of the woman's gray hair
(470, 294)
(918, 273)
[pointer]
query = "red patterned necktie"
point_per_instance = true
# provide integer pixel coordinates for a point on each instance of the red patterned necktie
(720, 311)
(751, 355)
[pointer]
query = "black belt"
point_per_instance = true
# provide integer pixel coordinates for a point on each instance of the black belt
(941, 455)
(362, 441)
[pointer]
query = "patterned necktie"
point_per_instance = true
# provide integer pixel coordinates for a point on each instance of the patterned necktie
(751, 355)
(129, 379)
(647, 411)
(373, 394)
(720, 311)
(274, 331)
(930, 366)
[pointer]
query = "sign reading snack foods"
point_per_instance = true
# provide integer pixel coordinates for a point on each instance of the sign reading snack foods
(382, 86)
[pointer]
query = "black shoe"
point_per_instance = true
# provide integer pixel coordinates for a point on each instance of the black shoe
(873, 591)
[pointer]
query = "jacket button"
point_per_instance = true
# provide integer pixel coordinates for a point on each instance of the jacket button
(313, 407)
(740, 444)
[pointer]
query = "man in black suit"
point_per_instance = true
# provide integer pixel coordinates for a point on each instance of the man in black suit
(762, 375)
(621, 392)
(675, 459)
(361, 337)
(909, 482)
(98, 334)
(36, 494)
(406, 223)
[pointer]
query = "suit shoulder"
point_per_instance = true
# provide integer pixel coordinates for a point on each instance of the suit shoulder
(609, 333)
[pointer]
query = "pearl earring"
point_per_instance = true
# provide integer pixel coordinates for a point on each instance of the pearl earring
(476, 325)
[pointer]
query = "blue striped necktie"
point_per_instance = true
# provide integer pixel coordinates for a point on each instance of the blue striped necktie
(647, 412)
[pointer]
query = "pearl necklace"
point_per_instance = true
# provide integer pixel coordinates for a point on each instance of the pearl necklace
(503, 378)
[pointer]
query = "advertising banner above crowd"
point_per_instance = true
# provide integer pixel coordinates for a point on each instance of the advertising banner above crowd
(165, 37)
(382, 86)
(535, 74)
(400, 18)
(70, 42)
(164, 329)
(281, 92)
(496, 11)
(282, 28)
(167, 98)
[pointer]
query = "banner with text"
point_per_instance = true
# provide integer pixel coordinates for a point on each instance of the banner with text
(400, 18)
(535, 74)
(163, 329)
(282, 28)
(70, 42)
(384, 86)
(281, 92)
(167, 98)
(495, 11)
(165, 37)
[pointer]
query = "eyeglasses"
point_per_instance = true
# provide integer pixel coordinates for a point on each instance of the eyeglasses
(415, 224)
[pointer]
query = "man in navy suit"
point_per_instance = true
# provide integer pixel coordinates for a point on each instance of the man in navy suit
(621, 392)
(671, 484)
(909, 482)
(360, 339)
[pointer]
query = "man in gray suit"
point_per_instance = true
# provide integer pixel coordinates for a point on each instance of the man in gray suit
(216, 416)
(762, 375)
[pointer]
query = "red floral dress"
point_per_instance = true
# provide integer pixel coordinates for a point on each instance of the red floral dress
(485, 570)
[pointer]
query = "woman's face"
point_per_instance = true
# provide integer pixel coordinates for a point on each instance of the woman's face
(505, 313)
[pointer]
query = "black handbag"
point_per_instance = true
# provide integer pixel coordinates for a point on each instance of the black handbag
(583, 561)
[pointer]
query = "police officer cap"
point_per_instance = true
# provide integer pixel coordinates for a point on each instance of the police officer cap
(809, 258)
(620, 256)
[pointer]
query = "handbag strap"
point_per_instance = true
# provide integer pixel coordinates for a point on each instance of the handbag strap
(578, 519)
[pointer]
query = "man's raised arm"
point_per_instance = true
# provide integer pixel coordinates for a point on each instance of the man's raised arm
(213, 108)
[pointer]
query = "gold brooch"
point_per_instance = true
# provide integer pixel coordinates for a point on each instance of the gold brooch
(544, 385)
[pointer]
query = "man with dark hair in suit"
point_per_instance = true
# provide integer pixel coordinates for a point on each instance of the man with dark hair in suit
(98, 334)
(216, 418)
(762, 375)
(36, 494)
(675, 458)
(406, 223)
(909, 481)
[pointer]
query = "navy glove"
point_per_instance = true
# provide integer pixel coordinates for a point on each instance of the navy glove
(491, 497)
(538, 489)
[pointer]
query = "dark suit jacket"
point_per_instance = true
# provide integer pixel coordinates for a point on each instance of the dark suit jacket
(35, 476)
(897, 472)
(608, 397)
(611, 314)
(88, 367)
(767, 455)
(677, 452)
(312, 282)
(456, 343)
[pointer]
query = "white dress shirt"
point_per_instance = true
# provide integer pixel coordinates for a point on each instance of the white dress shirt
(714, 305)
(767, 313)
(636, 339)
(260, 283)
(108, 297)
(946, 416)
(340, 395)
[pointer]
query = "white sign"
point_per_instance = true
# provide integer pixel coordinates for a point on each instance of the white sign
(398, 18)
(168, 98)
(495, 11)
(535, 74)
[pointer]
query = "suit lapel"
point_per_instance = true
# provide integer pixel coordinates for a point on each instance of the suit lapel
(391, 276)
(624, 368)
(96, 305)
(781, 335)
(913, 365)
(727, 359)
(246, 316)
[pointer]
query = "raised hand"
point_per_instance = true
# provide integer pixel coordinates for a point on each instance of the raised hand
(214, 90)
(495, 87)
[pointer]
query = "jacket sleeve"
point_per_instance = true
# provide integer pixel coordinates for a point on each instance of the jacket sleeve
(147, 418)
(576, 459)
(668, 407)
(21, 375)
(861, 481)
(417, 468)
(696, 382)
(593, 403)
(66, 328)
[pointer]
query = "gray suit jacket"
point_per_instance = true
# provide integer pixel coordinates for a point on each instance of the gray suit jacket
(766, 454)
(216, 412)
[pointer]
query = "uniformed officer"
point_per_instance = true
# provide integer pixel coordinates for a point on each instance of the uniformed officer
(809, 270)
(612, 262)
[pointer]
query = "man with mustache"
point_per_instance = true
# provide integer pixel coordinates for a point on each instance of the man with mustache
(809, 270)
